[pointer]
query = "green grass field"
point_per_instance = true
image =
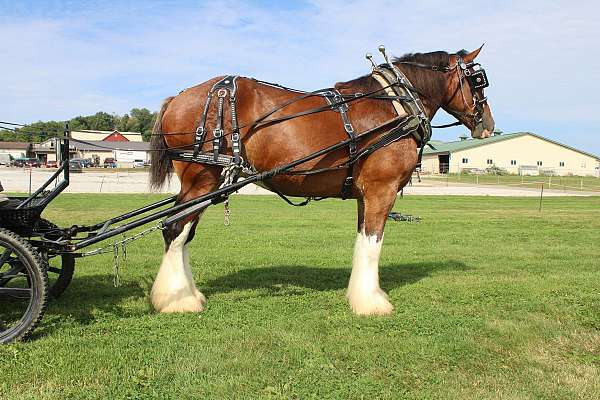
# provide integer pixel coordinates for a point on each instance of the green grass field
(493, 300)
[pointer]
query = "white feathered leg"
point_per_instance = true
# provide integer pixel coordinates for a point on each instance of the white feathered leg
(364, 295)
(174, 289)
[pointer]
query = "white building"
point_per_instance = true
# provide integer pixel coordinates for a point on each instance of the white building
(517, 153)
(15, 149)
(113, 145)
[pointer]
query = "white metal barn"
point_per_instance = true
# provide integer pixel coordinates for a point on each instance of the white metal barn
(14, 149)
(522, 153)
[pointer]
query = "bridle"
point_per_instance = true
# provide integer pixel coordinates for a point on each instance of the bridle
(475, 76)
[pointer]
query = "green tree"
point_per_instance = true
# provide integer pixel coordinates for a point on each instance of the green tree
(141, 120)
(138, 120)
(122, 123)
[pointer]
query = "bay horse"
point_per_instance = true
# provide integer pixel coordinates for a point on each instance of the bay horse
(377, 178)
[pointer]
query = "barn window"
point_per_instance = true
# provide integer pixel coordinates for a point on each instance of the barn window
(465, 160)
(539, 163)
(561, 164)
(513, 162)
(490, 161)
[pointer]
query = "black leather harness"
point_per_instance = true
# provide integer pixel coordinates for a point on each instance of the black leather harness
(226, 89)
(336, 100)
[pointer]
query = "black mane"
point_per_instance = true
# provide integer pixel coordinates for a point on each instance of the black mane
(435, 58)
(419, 77)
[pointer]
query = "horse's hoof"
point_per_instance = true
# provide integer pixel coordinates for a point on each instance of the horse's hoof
(374, 304)
(190, 303)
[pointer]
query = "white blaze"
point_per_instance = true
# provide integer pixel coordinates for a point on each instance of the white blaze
(174, 289)
(364, 294)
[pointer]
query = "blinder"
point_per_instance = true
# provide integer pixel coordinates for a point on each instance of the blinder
(475, 75)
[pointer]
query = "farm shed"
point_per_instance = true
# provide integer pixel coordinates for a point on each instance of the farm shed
(15, 149)
(516, 153)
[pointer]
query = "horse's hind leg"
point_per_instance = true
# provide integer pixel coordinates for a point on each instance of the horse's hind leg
(364, 294)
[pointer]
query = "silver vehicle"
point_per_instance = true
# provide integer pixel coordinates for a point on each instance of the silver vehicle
(6, 159)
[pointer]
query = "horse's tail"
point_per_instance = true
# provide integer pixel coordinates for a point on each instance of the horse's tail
(161, 167)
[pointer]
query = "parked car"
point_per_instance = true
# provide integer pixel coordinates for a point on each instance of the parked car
(110, 162)
(51, 164)
(27, 162)
(75, 166)
(6, 159)
(85, 162)
(138, 164)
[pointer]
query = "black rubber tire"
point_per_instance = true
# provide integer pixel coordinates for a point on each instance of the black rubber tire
(65, 276)
(38, 281)
(66, 270)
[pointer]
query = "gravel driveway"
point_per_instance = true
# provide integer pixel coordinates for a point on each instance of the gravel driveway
(17, 180)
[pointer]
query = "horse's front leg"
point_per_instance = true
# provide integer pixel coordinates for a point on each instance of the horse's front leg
(174, 289)
(364, 294)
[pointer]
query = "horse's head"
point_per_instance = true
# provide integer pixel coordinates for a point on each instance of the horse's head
(465, 98)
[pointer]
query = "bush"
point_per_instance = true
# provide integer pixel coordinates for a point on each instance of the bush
(494, 170)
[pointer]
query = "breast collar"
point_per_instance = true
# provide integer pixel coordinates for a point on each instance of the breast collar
(406, 98)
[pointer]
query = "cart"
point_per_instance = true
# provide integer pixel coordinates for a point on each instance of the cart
(37, 257)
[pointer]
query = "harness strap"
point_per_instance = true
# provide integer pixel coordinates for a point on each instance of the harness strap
(200, 132)
(336, 100)
(222, 88)
(291, 203)
(236, 144)
(218, 131)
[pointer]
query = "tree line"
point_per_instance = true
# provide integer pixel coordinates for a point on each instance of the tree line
(139, 120)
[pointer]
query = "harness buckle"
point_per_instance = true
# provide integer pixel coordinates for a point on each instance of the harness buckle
(352, 149)
(347, 187)
(348, 127)
(218, 133)
(235, 136)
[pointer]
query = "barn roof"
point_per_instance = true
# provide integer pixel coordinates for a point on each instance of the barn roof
(459, 145)
(14, 145)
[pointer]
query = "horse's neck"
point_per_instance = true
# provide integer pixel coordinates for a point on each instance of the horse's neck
(432, 101)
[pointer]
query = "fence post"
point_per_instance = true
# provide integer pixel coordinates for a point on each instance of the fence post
(477, 176)
(522, 181)
(581, 184)
(541, 196)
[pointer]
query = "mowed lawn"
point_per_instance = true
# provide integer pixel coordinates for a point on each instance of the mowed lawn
(493, 299)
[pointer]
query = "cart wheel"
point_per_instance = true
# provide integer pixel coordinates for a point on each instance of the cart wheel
(23, 287)
(60, 267)
(60, 273)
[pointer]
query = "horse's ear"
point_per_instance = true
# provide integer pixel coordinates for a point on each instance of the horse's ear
(471, 56)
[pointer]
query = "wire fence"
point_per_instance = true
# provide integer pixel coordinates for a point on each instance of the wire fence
(564, 183)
